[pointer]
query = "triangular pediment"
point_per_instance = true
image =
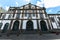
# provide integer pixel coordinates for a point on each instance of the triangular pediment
(27, 6)
(32, 6)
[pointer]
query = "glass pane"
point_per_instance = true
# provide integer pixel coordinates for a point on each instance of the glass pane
(52, 19)
(18, 15)
(1, 25)
(3, 16)
(59, 18)
(33, 14)
(9, 16)
(41, 15)
(25, 14)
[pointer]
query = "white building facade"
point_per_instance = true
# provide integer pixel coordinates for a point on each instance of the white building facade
(28, 18)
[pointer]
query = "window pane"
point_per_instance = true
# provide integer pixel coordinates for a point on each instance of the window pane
(33, 14)
(9, 16)
(41, 16)
(52, 19)
(3, 16)
(29, 15)
(0, 15)
(18, 15)
(25, 14)
(59, 18)
(1, 25)
(59, 23)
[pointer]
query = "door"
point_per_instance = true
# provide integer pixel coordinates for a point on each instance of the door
(29, 25)
(43, 25)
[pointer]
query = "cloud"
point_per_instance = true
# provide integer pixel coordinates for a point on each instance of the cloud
(6, 8)
(49, 3)
(27, 1)
(16, 3)
(39, 3)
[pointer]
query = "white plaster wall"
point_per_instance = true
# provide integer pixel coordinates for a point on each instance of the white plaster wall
(6, 17)
(47, 24)
(44, 15)
(15, 16)
(35, 24)
(54, 25)
(39, 24)
(2, 16)
(38, 16)
(21, 16)
(24, 24)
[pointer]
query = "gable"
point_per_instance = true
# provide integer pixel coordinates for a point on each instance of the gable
(30, 6)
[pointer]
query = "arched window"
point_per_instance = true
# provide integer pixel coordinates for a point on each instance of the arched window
(15, 26)
(43, 25)
(5, 27)
(29, 25)
(1, 25)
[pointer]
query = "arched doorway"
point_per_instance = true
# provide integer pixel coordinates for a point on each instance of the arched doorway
(5, 28)
(43, 25)
(29, 25)
(15, 26)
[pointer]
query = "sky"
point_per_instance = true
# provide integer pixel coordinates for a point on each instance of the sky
(52, 6)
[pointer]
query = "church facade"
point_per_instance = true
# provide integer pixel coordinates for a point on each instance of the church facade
(28, 18)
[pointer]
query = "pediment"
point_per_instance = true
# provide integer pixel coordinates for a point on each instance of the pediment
(32, 6)
(27, 6)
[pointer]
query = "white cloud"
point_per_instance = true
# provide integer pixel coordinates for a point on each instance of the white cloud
(16, 3)
(27, 1)
(39, 3)
(50, 3)
(6, 8)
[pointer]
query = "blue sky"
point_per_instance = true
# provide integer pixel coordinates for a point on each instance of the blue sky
(52, 6)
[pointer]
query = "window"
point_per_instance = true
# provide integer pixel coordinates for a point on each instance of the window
(33, 14)
(52, 19)
(0, 15)
(59, 23)
(18, 16)
(59, 18)
(9, 16)
(1, 25)
(41, 15)
(29, 15)
(3, 16)
(25, 14)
